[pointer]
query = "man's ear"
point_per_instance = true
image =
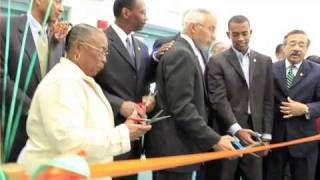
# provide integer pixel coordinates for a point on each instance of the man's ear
(193, 27)
(125, 12)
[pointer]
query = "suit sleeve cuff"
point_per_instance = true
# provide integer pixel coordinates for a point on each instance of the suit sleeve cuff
(234, 129)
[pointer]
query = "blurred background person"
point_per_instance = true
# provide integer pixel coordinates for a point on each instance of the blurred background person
(217, 48)
(69, 112)
(48, 52)
(279, 52)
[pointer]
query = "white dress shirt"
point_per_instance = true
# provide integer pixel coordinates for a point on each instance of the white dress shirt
(70, 113)
(295, 69)
(196, 51)
(36, 27)
(122, 35)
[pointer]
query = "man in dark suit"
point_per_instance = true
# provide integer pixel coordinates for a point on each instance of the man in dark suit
(128, 71)
(50, 55)
(182, 95)
(240, 92)
(297, 104)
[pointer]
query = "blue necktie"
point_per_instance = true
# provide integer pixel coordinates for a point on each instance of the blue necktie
(131, 51)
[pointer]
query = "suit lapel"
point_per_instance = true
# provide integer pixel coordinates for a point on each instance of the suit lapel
(233, 60)
(253, 60)
(195, 58)
(30, 47)
(302, 73)
(280, 76)
(99, 93)
(116, 42)
(137, 52)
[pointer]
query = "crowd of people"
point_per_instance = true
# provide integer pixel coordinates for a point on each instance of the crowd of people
(90, 91)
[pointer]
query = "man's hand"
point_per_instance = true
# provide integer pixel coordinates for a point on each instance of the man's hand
(163, 49)
(150, 102)
(128, 107)
(245, 135)
(224, 144)
(293, 108)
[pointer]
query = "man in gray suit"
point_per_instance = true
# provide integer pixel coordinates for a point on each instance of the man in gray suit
(128, 71)
(297, 105)
(240, 92)
(50, 56)
(182, 95)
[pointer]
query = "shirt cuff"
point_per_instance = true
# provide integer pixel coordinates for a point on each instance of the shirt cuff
(266, 137)
(124, 136)
(154, 56)
(234, 129)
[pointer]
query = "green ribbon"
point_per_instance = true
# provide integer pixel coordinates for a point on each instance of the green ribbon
(12, 125)
(2, 175)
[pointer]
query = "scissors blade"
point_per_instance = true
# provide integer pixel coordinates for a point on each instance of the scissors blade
(158, 114)
(159, 119)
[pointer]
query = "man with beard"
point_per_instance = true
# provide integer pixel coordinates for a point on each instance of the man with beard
(182, 95)
(128, 71)
(297, 104)
(240, 87)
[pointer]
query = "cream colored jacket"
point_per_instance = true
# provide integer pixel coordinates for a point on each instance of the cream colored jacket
(69, 113)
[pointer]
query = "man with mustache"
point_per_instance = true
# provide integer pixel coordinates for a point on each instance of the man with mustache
(297, 104)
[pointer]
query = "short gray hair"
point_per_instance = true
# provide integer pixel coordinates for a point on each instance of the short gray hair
(193, 16)
(80, 32)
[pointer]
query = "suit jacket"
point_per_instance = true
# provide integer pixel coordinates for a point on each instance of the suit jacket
(120, 79)
(229, 94)
(305, 89)
(16, 36)
(70, 120)
(182, 95)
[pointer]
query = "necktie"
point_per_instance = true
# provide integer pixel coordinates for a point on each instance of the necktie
(131, 50)
(290, 76)
(43, 53)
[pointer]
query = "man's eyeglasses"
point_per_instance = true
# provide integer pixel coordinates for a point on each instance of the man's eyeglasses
(103, 51)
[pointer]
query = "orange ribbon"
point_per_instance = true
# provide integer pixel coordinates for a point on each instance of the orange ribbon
(121, 168)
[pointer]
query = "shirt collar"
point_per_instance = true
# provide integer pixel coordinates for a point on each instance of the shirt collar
(288, 64)
(239, 54)
(120, 32)
(190, 41)
(34, 24)
(73, 66)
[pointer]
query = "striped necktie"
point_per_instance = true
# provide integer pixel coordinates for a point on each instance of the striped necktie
(290, 76)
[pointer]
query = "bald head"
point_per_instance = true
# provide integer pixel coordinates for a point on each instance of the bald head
(200, 26)
(193, 16)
